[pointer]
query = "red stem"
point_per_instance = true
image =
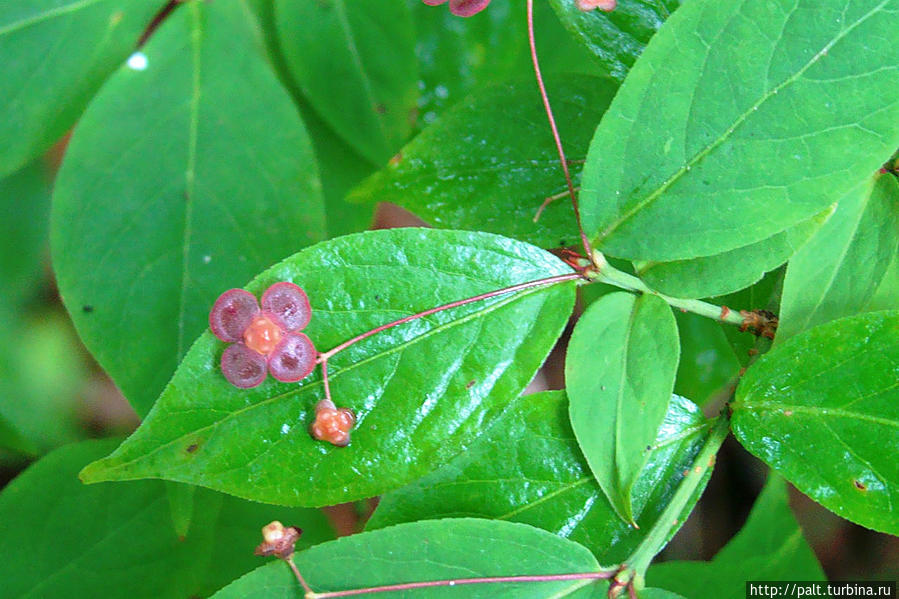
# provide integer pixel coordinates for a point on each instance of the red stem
(323, 358)
(296, 572)
(555, 130)
(460, 581)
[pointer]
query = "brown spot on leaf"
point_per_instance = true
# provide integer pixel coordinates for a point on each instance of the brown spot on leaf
(192, 447)
(470, 384)
(860, 485)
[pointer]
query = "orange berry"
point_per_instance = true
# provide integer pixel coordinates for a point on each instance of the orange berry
(262, 335)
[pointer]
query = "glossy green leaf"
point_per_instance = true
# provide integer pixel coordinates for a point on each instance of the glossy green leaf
(770, 546)
(421, 391)
(455, 56)
(151, 218)
(708, 365)
(528, 468)
(489, 163)
(709, 276)
(822, 409)
(619, 371)
(615, 38)
(24, 211)
(740, 120)
(65, 539)
(355, 62)
(55, 55)
(433, 550)
(837, 273)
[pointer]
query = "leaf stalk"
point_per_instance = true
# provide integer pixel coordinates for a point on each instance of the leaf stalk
(670, 519)
(606, 273)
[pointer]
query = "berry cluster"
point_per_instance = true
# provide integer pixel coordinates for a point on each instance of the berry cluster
(264, 340)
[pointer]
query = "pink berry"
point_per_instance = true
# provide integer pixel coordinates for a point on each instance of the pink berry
(604, 5)
(289, 303)
(232, 313)
(293, 359)
(242, 366)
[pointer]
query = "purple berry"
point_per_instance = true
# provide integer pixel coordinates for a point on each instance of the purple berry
(242, 366)
(232, 313)
(289, 303)
(467, 8)
(293, 359)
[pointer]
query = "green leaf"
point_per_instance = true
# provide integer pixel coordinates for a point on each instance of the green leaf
(64, 539)
(355, 62)
(615, 38)
(489, 163)
(181, 503)
(42, 370)
(24, 211)
(528, 468)
(769, 547)
(456, 56)
(764, 295)
(887, 295)
(55, 55)
(837, 273)
(708, 276)
(340, 166)
(341, 169)
(658, 594)
(433, 550)
(822, 409)
(742, 119)
(619, 371)
(11, 439)
(151, 218)
(421, 392)
(708, 365)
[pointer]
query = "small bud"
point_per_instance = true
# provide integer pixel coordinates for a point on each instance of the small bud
(332, 424)
(278, 540)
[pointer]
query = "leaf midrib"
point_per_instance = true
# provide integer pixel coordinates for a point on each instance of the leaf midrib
(340, 6)
(196, 39)
(817, 411)
(622, 488)
(639, 206)
(802, 323)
